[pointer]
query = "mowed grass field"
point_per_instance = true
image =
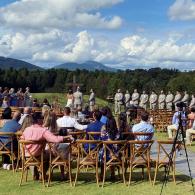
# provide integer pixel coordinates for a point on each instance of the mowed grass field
(86, 185)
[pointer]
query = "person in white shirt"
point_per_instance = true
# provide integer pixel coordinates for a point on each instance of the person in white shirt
(68, 121)
(26, 112)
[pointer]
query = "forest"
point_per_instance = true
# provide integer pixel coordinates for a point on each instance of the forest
(104, 83)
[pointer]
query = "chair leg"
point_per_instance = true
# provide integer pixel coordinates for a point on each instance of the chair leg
(22, 175)
(70, 173)
(42, 174)
(142, 173)
(77, 172)
(26, 174)
(130, 175)
(149, 175)
(97, 174)
(49, 176)
(173, 170)
(12, 159)
(104, 175)
(156, 170)
(123, 172)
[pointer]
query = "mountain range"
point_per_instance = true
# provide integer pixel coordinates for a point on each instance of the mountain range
(6, 63)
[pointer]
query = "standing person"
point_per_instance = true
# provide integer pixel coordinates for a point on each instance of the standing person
(143, 100)
(92, 100)
(192, 102)
(78, 98)
(70, 99)
(13, 97)
(185, 98)
(153, 100)
(118, 98)
(27, 97)
(20, 98)
(169, 101)
(135, 97)
(175, 120)
(161, 100)
(127, 99)
(177, 98)
(1, 96)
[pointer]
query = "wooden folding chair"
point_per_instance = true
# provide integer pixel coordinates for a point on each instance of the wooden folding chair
(93, 135)
(18, 134)
(163, 158)
(28, 159)
(116, 152)
(77, 135)
(139, 156)
(6, 146)
(56, 160)
(88, 158)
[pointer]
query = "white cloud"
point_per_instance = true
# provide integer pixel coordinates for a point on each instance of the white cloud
(55, 47)
(182, 10)
(61, 14)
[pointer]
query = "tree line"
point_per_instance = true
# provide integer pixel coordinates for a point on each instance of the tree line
(104, 83)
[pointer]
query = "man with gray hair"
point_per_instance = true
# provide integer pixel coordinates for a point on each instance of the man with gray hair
(78, 98)
(118, 98)
(26, 112)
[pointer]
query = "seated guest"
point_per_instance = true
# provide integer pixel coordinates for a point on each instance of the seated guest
(35, 103)
(6, 115)
(105, 112)
(26, 112)
(80, 115)
(95, 127)
(11, 126)
(109, 131)
(87, 112)
(175, 119)
(27, 122)
(68, 121)
(144, 127)
(38, 133)
(49, 121)
(191, 130)
(45, 103)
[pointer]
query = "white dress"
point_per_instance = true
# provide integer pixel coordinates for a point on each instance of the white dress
(69, 101)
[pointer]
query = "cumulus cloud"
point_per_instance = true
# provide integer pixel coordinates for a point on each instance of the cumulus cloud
(55, 47)
(60, 14)
(182, 10)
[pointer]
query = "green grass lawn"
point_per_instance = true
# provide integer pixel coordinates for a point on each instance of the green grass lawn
(86, 185)
(62, 98)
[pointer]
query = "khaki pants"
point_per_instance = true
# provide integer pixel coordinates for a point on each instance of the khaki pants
(189, 133)
(170, 130)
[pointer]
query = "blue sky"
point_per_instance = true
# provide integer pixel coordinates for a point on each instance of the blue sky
(118, 33)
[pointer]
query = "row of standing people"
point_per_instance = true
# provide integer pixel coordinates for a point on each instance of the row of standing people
(75, 100)
(161, 101)
(10, 97)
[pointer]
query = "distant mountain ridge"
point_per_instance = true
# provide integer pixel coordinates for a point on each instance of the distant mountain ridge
(88, 65)
(6, 63)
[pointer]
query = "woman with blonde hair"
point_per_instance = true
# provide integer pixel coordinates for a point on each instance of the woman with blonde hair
(49, 121)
